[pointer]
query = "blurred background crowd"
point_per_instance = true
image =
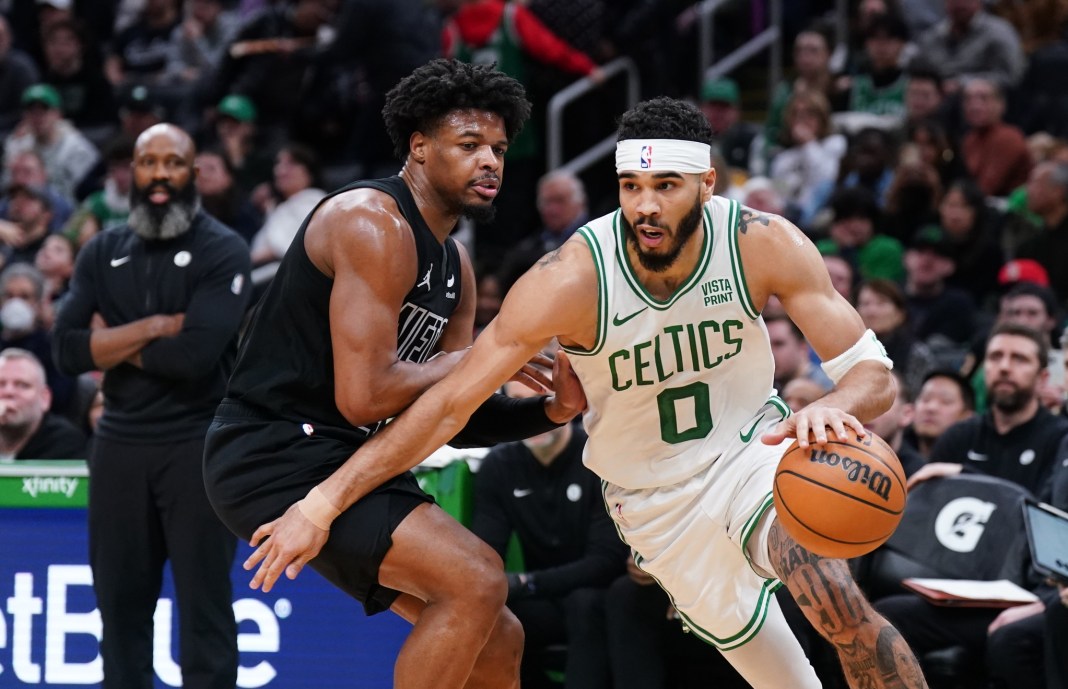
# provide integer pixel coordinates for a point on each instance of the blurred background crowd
(921, 144)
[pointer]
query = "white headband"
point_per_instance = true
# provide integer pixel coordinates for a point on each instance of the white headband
(662, 155)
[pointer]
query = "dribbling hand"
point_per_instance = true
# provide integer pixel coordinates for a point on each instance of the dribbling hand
(292, 541)
(810, 425)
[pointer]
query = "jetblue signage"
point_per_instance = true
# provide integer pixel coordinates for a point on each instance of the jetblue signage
(303, 633)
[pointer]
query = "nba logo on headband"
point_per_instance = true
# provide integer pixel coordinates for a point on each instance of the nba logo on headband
(672, 155)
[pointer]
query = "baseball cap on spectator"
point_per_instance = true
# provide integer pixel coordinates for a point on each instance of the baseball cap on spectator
(934, 238)
(140, 99)
(41, 93)
(720, 91)
(238, 107)
(1023, 270)
(37, 192)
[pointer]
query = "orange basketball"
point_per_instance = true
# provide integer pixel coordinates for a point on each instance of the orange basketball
(843, 498)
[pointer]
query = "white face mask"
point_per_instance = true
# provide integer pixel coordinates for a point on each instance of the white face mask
(17, 315)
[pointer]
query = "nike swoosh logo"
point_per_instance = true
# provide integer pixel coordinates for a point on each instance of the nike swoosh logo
(746, 437)
(975, 456)
(116, 262)
(616, 320)
(522, 492)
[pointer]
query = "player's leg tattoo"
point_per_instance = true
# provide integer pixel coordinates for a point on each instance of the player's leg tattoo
(873, 654)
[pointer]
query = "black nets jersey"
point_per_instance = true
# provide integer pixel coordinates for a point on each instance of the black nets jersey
(286, 364)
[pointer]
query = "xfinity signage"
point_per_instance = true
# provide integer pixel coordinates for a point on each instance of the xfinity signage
(50, 627)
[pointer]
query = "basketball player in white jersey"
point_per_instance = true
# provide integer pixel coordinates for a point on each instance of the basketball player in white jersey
(658, 305)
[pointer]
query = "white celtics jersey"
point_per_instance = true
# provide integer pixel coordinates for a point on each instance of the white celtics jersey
(671, 383)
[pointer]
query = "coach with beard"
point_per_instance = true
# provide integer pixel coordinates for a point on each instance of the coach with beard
(156, 304)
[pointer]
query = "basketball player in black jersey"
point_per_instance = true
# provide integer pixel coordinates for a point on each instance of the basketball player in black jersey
(372, 304)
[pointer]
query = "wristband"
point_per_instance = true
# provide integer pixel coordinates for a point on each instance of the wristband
(867, 348)
(317, 509)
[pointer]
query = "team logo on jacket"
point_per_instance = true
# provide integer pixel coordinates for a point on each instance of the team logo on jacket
(182, 259)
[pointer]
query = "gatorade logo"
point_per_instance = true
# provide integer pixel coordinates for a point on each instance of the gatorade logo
(960, 524)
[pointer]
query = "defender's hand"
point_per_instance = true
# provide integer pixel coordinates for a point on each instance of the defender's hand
(533, 374)
(568, 399)
(292, 541)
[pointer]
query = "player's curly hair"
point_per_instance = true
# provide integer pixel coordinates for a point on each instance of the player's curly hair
(420, 100)
(665, 118)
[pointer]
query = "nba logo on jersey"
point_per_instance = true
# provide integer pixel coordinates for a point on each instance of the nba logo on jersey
(646, 159)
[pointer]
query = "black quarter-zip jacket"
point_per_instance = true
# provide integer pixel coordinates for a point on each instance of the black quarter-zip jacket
(203, 273)
(1026, 455)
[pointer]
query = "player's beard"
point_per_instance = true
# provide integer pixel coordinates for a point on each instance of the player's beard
(478, 212)
(658, 263)
(1010, 401)
(154, 222)
(484, 212)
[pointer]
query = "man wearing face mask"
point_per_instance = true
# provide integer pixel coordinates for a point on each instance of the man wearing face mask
(25, 321)
(17, 318)
(156, 304)
(539, 490)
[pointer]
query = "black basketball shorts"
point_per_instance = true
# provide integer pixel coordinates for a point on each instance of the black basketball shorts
(256, 467)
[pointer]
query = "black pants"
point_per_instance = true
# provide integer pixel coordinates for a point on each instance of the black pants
(650, 651)
(146, 506)
(577, 620)
(1012, 655)
(1056, 641)
(929, 627)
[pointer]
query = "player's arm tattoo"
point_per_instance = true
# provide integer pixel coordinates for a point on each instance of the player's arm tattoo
(550, 258)
(873, 654)
(748, 216)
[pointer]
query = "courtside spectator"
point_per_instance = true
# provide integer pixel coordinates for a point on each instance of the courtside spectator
(28, 429)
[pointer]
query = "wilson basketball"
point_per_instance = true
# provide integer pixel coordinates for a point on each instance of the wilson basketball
(843, 498)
